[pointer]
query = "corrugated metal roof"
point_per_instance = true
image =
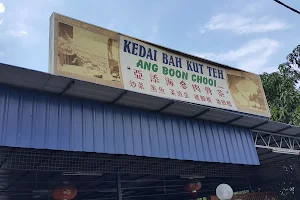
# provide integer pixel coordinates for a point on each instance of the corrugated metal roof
(26, 78)
(38, 120)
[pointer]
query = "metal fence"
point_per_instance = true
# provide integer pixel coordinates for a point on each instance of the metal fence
(46, 160)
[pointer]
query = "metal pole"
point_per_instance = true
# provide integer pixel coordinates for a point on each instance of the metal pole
(119, 187)
(249, 182)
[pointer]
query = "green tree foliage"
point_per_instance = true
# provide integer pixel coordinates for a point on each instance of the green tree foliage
(281, 90)
(284, 101)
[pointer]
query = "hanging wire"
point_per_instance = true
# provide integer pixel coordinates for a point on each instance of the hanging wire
(293, 9)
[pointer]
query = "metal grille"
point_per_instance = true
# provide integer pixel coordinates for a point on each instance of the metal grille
(280, 169)
(48, 160)
(282, 177)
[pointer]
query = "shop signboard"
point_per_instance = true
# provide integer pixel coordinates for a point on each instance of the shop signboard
(86, 52)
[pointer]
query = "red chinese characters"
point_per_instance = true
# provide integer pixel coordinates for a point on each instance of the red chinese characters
(154, 78)
(196, 88)
(138, 85)
(179, 93)
(196, 96)
(202, 98)
(153, 88)
(186, 95)
(138, 74)
(208, 90)
(229, 103)
(220, 93)
(223, 102)
(132, 84)
(208, 99)
(173, 92)
(183, 84)
(141, 85)
(169, 81)
(161, 90)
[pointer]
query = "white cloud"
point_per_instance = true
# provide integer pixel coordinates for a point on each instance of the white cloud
(251, 56)
(1, 20)
(2, 8)
(243, 25)
(14, 33)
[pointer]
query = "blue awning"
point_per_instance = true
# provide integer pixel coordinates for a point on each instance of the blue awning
(26, 78)
(32, 119)
(62, 86)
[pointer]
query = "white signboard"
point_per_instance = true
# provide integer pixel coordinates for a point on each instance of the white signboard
(152, 71)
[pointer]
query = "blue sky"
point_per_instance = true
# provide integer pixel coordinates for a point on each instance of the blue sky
(252, 35)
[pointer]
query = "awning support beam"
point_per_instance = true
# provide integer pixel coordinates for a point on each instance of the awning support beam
(119, 97)
(72, 82)
(258, 125)
(276, 142)
(166, 106)
(235, 119)
(201, 113)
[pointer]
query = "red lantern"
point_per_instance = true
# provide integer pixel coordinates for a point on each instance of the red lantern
(192, 186)
(64, 192)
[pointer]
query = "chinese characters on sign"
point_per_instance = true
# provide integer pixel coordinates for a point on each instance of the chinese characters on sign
(202, 95)
(172, 77)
